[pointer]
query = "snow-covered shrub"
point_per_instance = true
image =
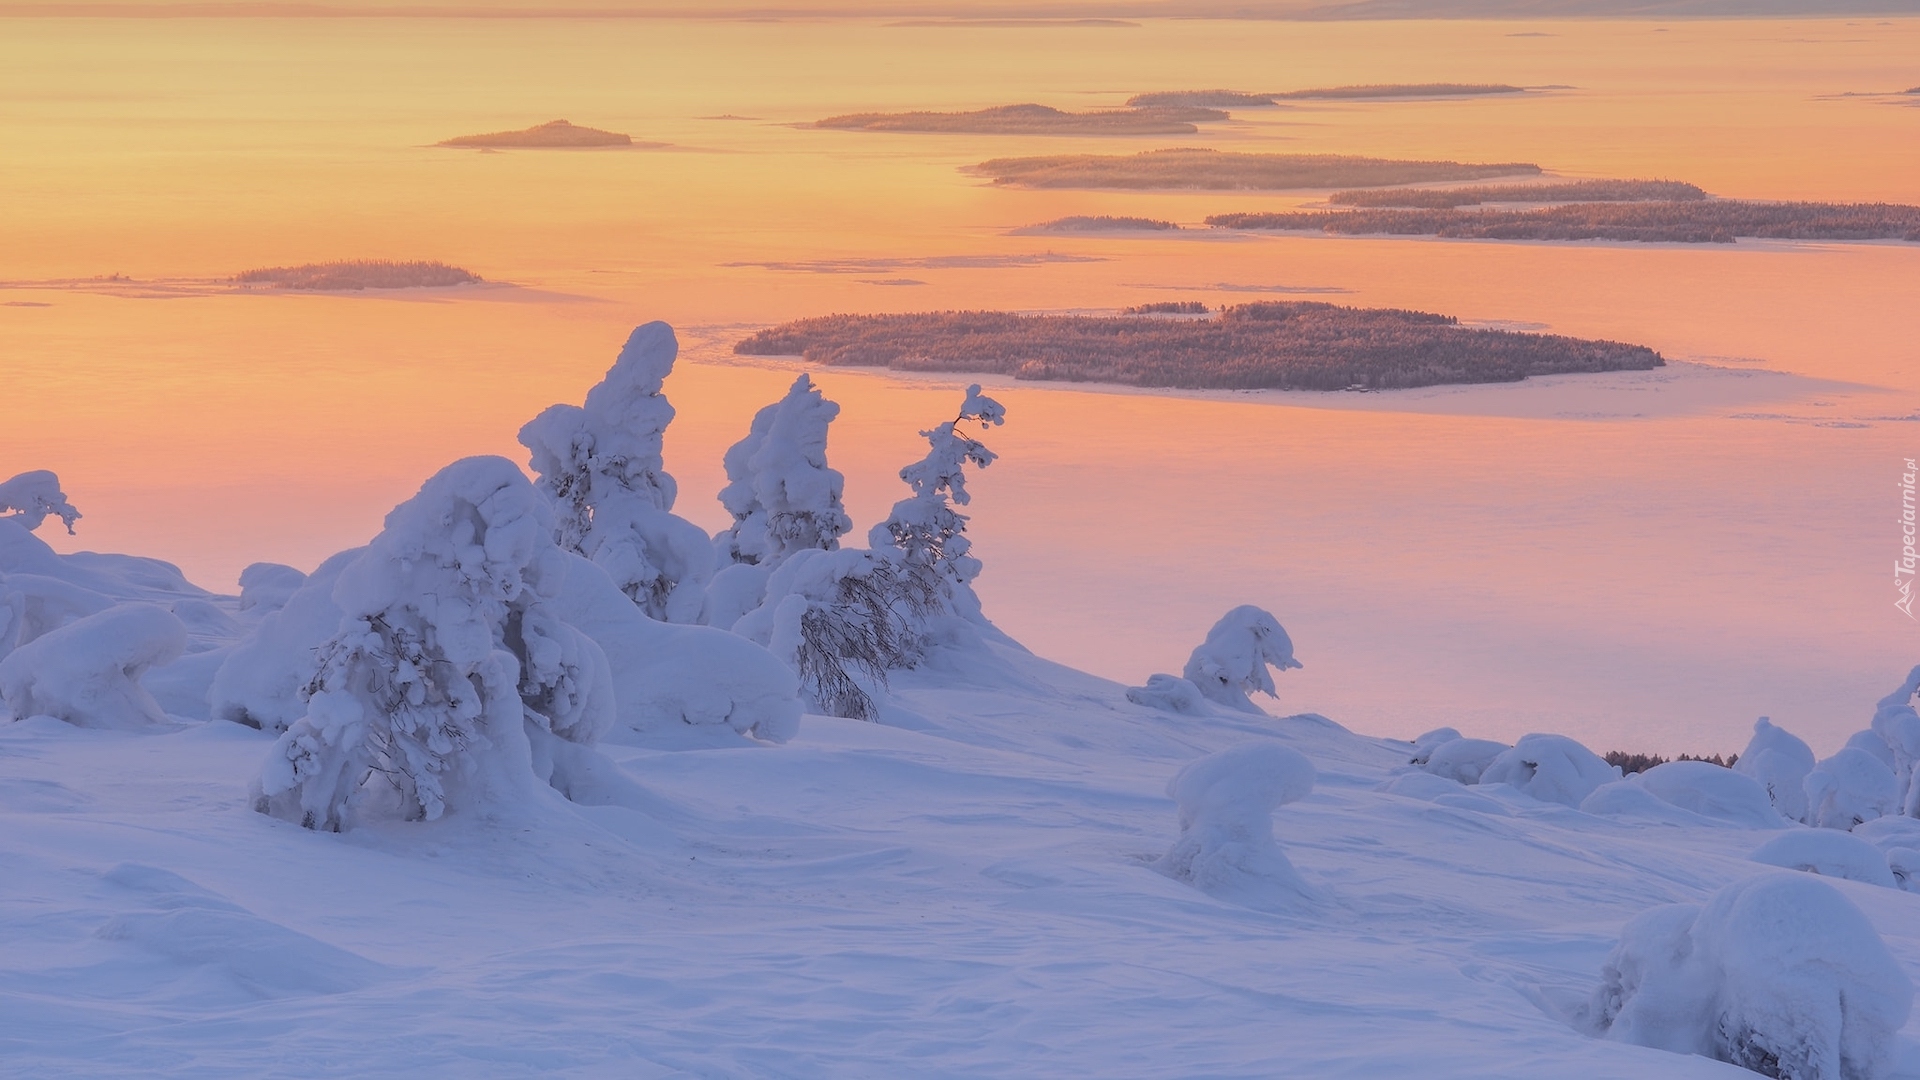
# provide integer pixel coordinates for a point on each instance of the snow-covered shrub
(1170, 693)
(29, 498)
(1426, 744)
(262, 682)
(1711, 791)
(1463, 760)
(268, 586)
(1848, 788)
(842, 620)
(1904, 864)
(31, 605)
(1226, 847)
(1780, 762)
(781, 493)
(1779, 974)
(1551, 768)
(88, 671)
(447, 666)
(1828, 853)
(601, 466)
(1233, 661)
(928, 532)
(1898, 726)
(1874, 745)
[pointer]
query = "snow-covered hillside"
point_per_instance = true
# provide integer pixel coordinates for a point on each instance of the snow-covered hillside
(581, 838)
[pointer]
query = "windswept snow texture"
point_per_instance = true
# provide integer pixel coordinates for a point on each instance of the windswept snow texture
(1779, 974)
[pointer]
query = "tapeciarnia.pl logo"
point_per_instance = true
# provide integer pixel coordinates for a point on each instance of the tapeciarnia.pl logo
(1903, 567)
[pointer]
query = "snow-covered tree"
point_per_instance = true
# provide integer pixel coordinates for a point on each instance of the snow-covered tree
(87, 672)
(1897, 726)
(1780, 761)
(926, 529)
(447, 668)
(601, 465)
(840, 620)
(29, 498)
(781, 493)
(1233, 661)
(1226, 845)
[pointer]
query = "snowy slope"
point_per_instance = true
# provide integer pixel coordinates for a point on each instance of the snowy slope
(963, 891)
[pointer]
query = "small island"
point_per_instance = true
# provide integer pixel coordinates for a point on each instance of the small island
(1032, 119)
(552, 135)
(1100, 223)
(1398, 90)
(1699, 221)
(1276, 345)
(1219, 170)
(1212, 99)
(358, 274)
(1571, 191)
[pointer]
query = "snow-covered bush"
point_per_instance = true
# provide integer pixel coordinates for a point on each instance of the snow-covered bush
(1779, 974)
(781, 493)
(601, 466)
(29, 498)
(1233, 661)
(1848, 788)
(1711, 791)
(447, 667)
(88, 671)
(31, 605)
(1780, 762)
(1551, 768)
(1463, 760)
(842, 620)
(268, 586)
(928, 532)
(1170, 693)
(1426, 744)
(262, 682)
(1226, 847)
(1828, 853)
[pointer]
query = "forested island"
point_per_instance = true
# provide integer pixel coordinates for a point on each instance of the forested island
(1032, 119)
(1101, 223)
(1277, 345)
(552, 135)
(358, 274)
(1699, 221)
(1219, 170)
(1570, 191)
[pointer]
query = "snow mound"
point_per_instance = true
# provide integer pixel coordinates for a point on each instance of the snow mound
(1829, 854)
(31, 605)
(29, 498)
(1226, 847)
(1848, 788)
(1551, 768)
(1463, 760)
(1170, 693)
(1780, 762)
(88, 671)
(268, 585)
(1711, 791)
(1425, 745)
(261, 681)
(1778, 974)
(1233, 661)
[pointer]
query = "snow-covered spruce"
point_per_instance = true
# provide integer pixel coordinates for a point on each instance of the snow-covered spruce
(31, 497)
(1897, 726)
(928, 532)
(448, 675)
(782, 495)
(87, 672)
(1225, 668)
(1779, 974)
(1848, 788)
(1226, 847)
(1780, 761)
(601, 465)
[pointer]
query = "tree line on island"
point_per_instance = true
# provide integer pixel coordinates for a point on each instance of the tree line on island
(1718, 221)
(1282, 345)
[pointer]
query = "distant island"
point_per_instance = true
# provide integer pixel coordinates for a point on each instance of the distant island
(1032, 119)
(1702, 221)
(1303, 345)
(552, 135)
(1218, 170)
(359, 274)
(1571, 191)
(1101, 223)
(1241, 99)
